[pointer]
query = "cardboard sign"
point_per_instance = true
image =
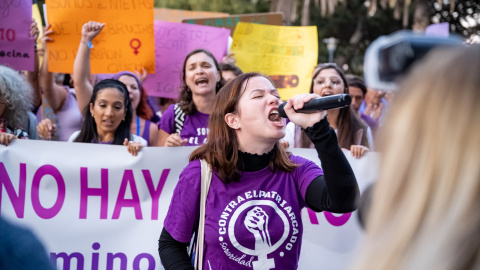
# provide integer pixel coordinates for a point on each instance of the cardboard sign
(177, 15)
(286, 53)
(173, 41)
(230, 22)
(125, 43)
(16, 45)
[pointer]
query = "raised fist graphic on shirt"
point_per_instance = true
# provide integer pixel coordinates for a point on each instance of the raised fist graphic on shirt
(256, 222)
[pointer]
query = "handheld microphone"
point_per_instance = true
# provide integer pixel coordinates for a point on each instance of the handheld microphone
(320, 104)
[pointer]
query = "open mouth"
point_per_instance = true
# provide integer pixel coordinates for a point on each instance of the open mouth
(201, 81)
(325, 94)
(274, 116)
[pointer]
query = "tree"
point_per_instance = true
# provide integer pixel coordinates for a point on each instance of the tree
(356, 23)
(227, 6)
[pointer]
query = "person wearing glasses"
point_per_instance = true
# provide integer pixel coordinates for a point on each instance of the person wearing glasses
(353, 134)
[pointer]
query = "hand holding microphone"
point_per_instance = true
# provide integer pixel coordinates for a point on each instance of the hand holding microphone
(308, 107)
(320, 104)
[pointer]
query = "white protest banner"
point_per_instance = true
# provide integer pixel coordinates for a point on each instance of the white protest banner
(97, 207)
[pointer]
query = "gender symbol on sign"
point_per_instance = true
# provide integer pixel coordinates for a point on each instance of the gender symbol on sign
(136, 46)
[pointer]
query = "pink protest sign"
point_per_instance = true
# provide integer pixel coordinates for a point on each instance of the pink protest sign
(16, 45)
(173, 41)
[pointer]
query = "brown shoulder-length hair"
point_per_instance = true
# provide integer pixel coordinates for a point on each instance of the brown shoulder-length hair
(185, 98)
(143, 109)
(221, 149)
(348, 122)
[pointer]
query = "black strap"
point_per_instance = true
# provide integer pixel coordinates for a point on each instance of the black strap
(179, 118)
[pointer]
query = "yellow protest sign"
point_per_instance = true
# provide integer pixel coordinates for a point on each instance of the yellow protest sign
(38, 19)
(125, 43)
(287, 54)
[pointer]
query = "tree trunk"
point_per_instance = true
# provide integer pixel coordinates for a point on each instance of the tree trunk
(288, 7)
(323, 10)
(406, 5)
(421, 17)
(306, 13)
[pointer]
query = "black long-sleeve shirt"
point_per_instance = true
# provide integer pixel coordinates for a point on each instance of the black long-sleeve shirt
(336, 191)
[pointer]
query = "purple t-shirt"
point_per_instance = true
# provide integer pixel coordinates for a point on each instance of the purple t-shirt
(256, 221)
(372, 123)
(68, 119)
(195, 127)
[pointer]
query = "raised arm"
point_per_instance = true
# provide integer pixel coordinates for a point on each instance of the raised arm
(54, 93)
(81, 66)
(337, 190)
(32, 76)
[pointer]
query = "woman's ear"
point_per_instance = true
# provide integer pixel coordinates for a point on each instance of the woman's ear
(232, 120)
(91, 108)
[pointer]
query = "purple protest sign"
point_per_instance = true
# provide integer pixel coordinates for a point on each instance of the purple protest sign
(438, 30)
(16, 45)
(173, 41)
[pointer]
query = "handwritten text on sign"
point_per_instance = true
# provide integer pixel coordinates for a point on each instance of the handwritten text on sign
(287, 54)
(16, 45)
(126, 42)
(173, 41)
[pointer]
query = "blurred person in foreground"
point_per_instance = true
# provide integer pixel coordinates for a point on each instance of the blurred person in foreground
(20, 249)
(424, 207)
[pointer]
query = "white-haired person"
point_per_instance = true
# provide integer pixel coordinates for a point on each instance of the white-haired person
(16, 118)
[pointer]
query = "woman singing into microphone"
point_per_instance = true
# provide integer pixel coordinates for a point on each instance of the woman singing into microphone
(257, 191)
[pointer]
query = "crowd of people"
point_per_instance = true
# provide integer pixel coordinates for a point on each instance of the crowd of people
(428, 182)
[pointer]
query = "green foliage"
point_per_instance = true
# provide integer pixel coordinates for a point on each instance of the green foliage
(342, 25)
(227, 6)
(467, 11)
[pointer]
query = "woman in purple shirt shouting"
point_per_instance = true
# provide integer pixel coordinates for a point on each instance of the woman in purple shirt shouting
(186, 123)
(257, 191)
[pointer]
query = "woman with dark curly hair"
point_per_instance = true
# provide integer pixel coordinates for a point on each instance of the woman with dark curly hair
(186, 123)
